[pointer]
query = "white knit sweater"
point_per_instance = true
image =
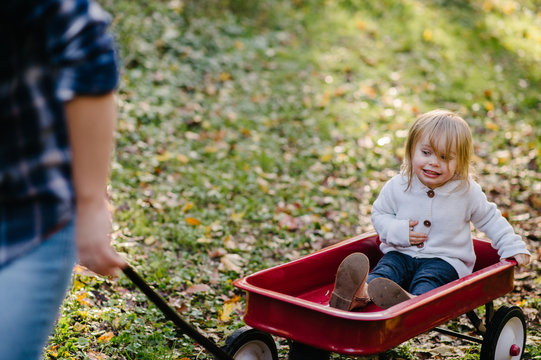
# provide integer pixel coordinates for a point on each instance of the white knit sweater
(449, 213)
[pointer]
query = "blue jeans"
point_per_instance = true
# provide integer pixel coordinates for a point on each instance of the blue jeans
(415, 275)
(32, 289)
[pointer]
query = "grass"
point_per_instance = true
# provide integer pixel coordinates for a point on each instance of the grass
(254, 133)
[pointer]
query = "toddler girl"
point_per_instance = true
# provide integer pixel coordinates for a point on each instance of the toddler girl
(422, 217)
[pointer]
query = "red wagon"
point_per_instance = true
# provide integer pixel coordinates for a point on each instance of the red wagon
(291, 301)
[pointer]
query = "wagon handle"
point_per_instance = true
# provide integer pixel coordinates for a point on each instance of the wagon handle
(172, 315)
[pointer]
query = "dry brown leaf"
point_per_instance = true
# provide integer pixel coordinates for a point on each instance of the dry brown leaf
(197, 288)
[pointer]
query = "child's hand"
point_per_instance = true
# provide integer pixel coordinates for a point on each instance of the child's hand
(522, 259)
(416, 238)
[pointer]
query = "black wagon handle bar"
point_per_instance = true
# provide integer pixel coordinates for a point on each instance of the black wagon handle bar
(172, 315)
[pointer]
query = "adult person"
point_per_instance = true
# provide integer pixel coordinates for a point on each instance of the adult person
(58, 71)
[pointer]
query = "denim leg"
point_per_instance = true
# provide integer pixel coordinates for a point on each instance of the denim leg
(32, 289)
(430, 274)
(395, 266)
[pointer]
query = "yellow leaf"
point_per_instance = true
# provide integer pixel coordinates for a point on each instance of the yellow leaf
(509, 7)
(79, 327)
(150, 240)
(360, 25)
(81, 298)
(187, 207)
(491, 126)
(238, 45)
(225, 314)
(326, 157)
(427, 35)
(237, 217)
(53, 351)
(234, 299)
(78, 285)
(224, 76)
(503, 156)
(165, 156)
(183, 158)
(193, 221)
(263, 185)
(324, 101)
(106, 337)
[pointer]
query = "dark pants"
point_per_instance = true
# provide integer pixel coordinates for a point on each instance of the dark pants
(415, 275)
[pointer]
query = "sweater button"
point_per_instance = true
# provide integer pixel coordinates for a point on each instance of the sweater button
(430, 193)
(427, 223)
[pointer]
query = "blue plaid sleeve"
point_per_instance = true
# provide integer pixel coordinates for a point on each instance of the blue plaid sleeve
(80, 49)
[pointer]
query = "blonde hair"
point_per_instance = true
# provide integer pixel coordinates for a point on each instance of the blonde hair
(441, 128)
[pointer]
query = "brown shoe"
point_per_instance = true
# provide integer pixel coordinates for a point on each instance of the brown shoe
(386, 293)
(350, 282)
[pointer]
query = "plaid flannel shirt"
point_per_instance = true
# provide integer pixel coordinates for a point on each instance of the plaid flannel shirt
(51, 51)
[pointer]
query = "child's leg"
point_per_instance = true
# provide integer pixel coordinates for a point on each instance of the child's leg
(386, 293)
(392, 274)
(395, 266)
(430, 274)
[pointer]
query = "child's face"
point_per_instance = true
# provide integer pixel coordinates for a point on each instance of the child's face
(433, 171)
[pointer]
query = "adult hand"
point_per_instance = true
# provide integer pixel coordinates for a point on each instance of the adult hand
(91, 121)
(93, 234)
(416, 238)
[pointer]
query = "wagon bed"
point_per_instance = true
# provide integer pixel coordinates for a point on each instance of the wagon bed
(291, 300)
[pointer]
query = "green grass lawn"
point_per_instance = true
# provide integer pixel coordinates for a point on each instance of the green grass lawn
(252, 133)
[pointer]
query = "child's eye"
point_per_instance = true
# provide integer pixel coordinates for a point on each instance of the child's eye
(447, 157)
(425, 152)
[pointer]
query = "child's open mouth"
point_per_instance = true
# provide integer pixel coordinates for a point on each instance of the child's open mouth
(431, 173)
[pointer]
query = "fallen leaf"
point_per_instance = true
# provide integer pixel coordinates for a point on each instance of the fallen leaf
(193, 221)
(188, 206)
(81, 270)
(165, 156)
(224, 76)
(94, 355)
(83, 299)
(178, 304)
(183, 158)
(288, 222)
(150, 240)
(225, 313)
(427, 35)
(197, 288)
(53, 351)
(234, 299)
(232, 262)
(217, 253)
(490, 125)
(106, 337)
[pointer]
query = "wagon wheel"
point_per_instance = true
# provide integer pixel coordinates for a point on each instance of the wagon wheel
(506, 335)
(299, 351)
(251, 344)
